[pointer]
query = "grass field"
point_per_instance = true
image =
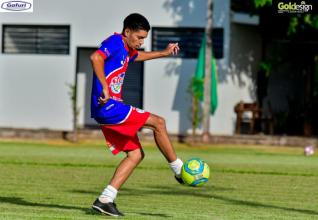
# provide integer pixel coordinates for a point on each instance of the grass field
(60, 181)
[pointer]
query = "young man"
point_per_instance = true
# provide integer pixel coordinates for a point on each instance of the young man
(120, 122)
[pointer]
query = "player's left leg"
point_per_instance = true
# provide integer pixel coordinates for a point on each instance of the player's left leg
(158, 125)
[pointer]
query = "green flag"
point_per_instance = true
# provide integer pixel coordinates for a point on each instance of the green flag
(198, 80)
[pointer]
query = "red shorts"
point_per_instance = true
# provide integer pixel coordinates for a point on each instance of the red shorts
(123, 136)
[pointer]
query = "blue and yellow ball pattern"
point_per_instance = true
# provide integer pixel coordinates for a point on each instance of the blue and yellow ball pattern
(195, 172)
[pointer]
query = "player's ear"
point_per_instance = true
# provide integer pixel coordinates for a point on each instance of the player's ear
(127, 32)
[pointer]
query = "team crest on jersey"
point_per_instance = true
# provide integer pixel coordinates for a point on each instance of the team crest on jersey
(116, 83)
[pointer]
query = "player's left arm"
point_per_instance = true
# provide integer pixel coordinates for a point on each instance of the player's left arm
(171, 49)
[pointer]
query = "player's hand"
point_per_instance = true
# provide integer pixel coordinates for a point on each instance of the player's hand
(104, 97)
(172, 49)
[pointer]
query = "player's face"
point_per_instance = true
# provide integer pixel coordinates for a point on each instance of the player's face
(135, 39)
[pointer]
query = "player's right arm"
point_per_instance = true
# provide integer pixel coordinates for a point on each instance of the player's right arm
(97, 61)
(171, 49)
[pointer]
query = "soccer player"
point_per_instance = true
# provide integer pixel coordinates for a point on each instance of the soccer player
(120, 122)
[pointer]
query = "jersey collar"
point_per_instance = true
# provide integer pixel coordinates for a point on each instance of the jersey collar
(122, 37)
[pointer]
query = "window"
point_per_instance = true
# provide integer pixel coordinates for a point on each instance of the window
(35, 39)
(189, 40)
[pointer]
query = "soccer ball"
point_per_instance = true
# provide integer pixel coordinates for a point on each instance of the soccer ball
(195, 172)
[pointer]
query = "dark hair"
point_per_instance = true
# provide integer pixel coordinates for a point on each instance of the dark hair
(136, 22)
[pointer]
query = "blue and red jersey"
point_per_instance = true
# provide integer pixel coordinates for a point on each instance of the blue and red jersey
(117, 56)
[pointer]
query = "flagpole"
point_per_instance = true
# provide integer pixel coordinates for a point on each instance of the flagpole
(207, 78)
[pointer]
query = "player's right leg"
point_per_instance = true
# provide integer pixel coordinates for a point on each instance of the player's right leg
(105, 203)
(158, 125)
(126, 167)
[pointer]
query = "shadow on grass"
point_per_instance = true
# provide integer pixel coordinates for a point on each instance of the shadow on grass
(154, 214)
(203, 192)
(261, 205)
(20, 201)
(198, 192)
(150, 190)
(88, 211)
(88, 192)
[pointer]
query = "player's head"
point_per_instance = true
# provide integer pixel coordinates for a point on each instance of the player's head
(136, 22)
(135, 30)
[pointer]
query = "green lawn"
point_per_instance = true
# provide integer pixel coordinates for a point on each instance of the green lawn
(60, 181)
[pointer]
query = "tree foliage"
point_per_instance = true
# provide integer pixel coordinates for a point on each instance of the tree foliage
(296, 22)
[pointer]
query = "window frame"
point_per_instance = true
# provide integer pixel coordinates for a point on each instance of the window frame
(67, 27)
(217, 31)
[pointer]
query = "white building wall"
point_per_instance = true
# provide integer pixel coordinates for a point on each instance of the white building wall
(33, 89)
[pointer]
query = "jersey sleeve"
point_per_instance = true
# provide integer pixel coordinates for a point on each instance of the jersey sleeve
(133, 55)
(108, 47)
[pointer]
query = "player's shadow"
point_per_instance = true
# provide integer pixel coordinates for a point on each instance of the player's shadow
(196, 192)
(89, 192)
(158, 190)
(22, 202)
(125, 191)
(153, 214)
(88, 211)
(177, 190)
(262, 205)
